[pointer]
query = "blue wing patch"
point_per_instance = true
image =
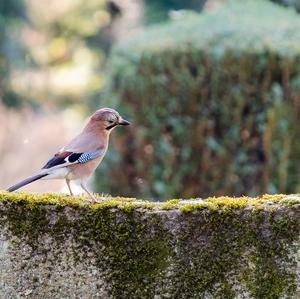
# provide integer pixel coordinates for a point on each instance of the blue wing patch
(66, 157)
(85, 157)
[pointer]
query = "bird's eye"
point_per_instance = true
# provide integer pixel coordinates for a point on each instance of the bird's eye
(110, 121)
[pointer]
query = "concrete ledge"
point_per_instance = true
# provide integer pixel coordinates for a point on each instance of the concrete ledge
(54, 246)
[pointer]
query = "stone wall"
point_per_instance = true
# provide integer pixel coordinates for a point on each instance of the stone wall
(54, 246)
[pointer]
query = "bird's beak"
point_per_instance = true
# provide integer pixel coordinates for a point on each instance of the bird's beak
(124, 122)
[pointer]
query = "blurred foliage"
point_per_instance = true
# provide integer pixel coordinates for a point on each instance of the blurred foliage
(12, 17)
(293, 3)
(55, 53)
(65, 51)
(214, 102)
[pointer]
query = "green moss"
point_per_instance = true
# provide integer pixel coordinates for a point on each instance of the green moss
(190, 207)
(290, 202)
(26, 221)
(170, 204)
(248, 239)
(257, 257)
(136, 250)
(267, 279)
(33, 200)
(224, 202)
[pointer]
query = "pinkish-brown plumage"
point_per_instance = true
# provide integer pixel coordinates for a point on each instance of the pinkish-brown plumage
(82, 155)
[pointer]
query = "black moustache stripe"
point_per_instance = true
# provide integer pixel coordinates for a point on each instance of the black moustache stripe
(111, 126)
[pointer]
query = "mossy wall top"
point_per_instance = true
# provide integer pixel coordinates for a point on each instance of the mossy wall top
(62, 247)
(214, 101)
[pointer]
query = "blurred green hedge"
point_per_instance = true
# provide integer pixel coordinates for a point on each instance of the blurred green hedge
(159, 11)
(293, 3)
(13, 15)
(214, 100)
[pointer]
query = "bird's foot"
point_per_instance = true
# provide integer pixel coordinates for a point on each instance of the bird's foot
(95, 199)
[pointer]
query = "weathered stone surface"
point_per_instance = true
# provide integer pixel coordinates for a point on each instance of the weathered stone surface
(60, 247)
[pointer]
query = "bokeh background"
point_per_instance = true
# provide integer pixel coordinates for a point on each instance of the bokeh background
(212, 89)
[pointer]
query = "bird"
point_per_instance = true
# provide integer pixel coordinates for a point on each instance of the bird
(82, 155)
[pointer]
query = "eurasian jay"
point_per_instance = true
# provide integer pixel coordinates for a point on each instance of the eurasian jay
(81, 156)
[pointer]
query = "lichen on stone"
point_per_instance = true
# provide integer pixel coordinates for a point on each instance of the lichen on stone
(122, 247)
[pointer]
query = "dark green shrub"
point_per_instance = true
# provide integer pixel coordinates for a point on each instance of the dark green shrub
(12, 52)
(158, 11)
(293, 3)
(214, 101)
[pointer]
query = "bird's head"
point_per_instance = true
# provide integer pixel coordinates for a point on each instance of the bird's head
(108, 119)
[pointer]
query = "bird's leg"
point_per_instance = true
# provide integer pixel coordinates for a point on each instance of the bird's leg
(93, 199)
(69, 186)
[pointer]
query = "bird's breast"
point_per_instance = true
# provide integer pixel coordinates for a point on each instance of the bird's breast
(84, 170)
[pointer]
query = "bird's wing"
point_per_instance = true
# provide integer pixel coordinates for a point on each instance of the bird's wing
(65, 158)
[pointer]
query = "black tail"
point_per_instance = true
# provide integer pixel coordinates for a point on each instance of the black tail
(26, 182)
